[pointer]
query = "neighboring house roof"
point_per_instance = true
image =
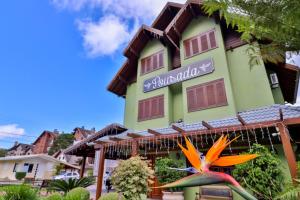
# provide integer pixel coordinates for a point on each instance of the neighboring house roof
(111, 129)
(25, 147)
(41, 156)
(69, 158)
(83, 131)
(44, 133)
(268, 114)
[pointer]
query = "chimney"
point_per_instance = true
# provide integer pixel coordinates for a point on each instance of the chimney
(16, 143)
(82, 127)
(93, 130)
(55, 131)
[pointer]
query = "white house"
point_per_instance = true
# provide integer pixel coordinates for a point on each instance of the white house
(37, 166)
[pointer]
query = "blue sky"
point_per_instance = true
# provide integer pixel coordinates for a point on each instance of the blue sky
(57, 57)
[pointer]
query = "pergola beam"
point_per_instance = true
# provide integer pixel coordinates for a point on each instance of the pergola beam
(153, 132)
(207, 125)
(177, 128)
(116, 139)
(134, 135)
(280, 114)
(241, 120)
(288, 149)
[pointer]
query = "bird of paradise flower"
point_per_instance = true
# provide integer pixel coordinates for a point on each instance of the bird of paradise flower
(201, 164)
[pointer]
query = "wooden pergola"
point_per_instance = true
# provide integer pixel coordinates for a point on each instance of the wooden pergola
(125, 143)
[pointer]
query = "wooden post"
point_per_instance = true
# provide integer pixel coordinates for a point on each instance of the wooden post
(82, 166)
(100, 173)
(288, 149)
(134, 147)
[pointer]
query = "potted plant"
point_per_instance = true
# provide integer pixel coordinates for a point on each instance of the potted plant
(165, 174)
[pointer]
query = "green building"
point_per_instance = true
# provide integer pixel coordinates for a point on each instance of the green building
(190, 72)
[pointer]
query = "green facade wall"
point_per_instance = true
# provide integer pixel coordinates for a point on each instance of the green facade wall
(199, 25)
(250, 84)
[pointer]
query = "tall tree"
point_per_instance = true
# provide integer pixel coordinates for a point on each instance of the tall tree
(63, 141)
(275, 24)
(3, 152)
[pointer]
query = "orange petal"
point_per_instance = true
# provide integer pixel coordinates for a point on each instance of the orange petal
(213, 153)
(222, 143)
(191, 154)
(233, 160)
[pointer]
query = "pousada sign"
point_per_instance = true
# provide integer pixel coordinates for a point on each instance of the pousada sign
(193, 70)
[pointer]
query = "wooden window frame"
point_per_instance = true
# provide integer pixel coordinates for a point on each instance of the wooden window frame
(143, 60)
(216, 105)
(199, 43)
(159, 115)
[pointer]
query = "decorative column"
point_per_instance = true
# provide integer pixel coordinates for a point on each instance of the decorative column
(82, 169)
(134, 148)
(100, 172)
(288, 149)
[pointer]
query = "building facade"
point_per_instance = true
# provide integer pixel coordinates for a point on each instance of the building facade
(43, 143)
(181, 88)
(190, 73)
(20, 149)
(37, 167)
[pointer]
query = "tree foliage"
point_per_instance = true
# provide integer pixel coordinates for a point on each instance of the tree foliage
(263, 176)
(132, 178)
(3, 152)
(165, 174)
(63, 141)
(275, 24)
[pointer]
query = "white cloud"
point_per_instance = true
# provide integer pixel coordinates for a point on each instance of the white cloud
(114, 29)
(105, 36)
(11, 130)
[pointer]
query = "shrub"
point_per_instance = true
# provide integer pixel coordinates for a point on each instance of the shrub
(20, 175)
(263, 176)
(132, 178)
(79, 193)
(111, 196)
(67, 185)
(167, 175)
(19, 192)
(55, 196)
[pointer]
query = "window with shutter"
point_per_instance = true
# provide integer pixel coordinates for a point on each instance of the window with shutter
(207, 95)
(153, 62)
(212, 39)
(204, 43)
(187, 48)
(195, 46)
(151, 108)
(200, 43)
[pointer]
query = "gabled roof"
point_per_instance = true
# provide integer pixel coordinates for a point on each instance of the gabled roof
(44, 133)
(83, 131)
(140, 39)
(25, 147)
(166, 15)
(42, 156)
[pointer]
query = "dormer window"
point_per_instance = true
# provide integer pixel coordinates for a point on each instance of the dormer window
(152, 62)
(200, 43)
